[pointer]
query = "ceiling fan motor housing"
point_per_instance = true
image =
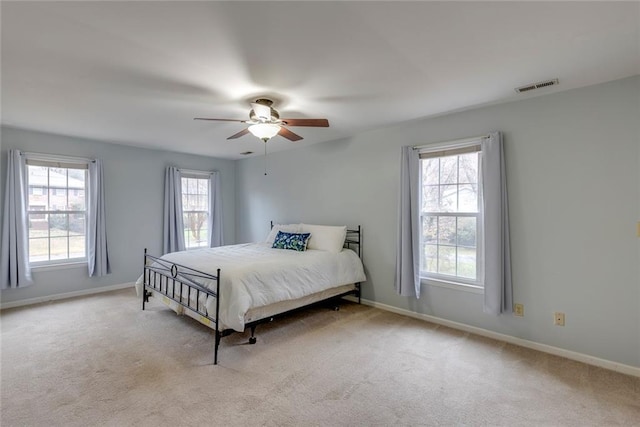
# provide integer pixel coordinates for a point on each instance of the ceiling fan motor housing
(275, 116)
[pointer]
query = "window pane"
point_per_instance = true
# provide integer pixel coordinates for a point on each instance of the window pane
(202, 203)
(448, 198)
(430, 198)
(468, 198)
(467, 231)
(37, 197)
(76, 200)
(447, 230)
(193, 202)
(430, 229)
(38, 227)
(195, 225)
(57, 177)
(203, 186)
(38, 176)
(467, 262)
(39, 249)
(449, 170)
(431, 171)
(77, 224)
(58, 225)
(77, 246)
(430, 261)
(77, 178)
(468, 168)
(34, 216)
(59, 247)
(447, 260)
(57, 199)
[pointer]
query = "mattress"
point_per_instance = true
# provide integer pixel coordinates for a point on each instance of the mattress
(254, 276)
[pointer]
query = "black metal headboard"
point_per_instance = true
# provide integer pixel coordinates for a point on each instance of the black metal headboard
(354, 238)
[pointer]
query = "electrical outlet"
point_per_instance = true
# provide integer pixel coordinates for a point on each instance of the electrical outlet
(518, 310)
(558, 319)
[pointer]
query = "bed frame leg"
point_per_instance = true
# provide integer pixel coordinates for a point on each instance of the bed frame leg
(252, 338)
(215, 350)
(145, 297)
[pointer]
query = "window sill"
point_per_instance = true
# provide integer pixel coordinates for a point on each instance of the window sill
(62, 266)
(452, 285)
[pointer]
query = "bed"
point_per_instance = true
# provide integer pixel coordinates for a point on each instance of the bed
(232, 288)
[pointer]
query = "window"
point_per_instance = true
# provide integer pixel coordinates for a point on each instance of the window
(195, 209)
(450, 216)
(57, 217)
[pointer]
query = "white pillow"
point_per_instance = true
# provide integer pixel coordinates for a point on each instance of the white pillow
(287, 228)
(325, 237)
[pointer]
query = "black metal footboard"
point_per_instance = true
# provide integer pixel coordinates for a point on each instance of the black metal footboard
(183, 285)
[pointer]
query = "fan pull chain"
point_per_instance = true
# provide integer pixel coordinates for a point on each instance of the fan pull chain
(265, 158)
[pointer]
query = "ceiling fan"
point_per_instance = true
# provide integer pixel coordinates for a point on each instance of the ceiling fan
(265, 122)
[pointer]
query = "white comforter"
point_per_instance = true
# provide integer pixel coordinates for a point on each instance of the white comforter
(254, 275)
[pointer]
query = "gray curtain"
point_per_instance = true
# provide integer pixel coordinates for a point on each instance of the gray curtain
(215, 218)
(407, 278)
(498, 291)
(173, 236)
(14, 252)
(98, 261)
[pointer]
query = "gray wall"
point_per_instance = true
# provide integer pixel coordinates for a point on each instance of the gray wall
(134, 187)
(573, 162)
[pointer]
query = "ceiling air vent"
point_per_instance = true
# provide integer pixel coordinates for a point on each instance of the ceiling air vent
(534, 86)
(246, 153)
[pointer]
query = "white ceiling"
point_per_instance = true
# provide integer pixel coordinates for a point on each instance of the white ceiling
(138, 72)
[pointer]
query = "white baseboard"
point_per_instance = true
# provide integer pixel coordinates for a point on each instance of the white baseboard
(65, 295)
(580, 357)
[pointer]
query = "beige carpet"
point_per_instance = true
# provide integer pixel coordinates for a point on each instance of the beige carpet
(100, 360)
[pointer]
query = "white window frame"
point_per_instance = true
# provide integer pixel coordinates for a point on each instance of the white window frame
(196, 175)
(446, 149)
(53, 161)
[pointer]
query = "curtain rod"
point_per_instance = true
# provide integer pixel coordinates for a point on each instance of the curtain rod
(455, 141)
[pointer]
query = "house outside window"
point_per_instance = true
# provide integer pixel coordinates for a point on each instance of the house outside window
(57, 217)
(451, 214)
(195, 209)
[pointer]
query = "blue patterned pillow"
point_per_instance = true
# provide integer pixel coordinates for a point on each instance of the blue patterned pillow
(293, 241)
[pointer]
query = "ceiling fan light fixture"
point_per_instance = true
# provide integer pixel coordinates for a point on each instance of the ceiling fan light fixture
(264, 131)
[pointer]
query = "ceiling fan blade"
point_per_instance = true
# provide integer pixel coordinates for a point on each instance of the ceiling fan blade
(261, 111)
(220, 120)
(286, 133)
(320, 123)
(239, 134)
